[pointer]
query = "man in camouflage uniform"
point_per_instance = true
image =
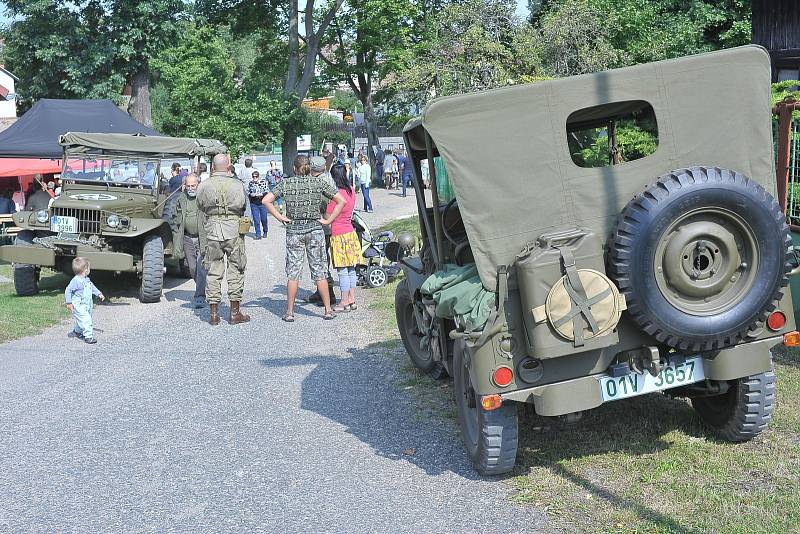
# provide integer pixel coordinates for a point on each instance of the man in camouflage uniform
(222, 201)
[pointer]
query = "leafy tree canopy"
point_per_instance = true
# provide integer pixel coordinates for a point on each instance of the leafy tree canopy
(85, 49)
(201, 98)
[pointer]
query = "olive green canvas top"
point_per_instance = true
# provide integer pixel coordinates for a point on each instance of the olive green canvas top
(80, 143)
(509, 162)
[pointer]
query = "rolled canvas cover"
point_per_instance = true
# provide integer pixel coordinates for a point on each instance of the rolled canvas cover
(78, 143)
(507, 156)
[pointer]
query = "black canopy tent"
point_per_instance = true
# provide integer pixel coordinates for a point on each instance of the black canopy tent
(35, 134)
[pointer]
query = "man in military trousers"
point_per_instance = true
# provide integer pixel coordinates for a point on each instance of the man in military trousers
(222, 202)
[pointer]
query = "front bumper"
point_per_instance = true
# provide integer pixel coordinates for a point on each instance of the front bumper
(46, 257)
(583, 393)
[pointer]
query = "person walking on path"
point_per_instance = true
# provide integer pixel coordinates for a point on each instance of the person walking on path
(186, 237)
(303, 195)
(389, 170)
(345, 247)
(365, 181)
(406, 171)
(256, 189)
(78, 299)
(222, 201)
(380, 154)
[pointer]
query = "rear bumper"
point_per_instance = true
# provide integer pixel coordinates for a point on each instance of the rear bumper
(36, 255)
(584, 393)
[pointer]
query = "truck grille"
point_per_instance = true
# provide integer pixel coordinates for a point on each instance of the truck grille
(88, 220)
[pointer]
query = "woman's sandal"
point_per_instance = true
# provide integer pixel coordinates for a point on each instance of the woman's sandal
(352, 306)
(339, 309)
(289, 318)
(328, 316)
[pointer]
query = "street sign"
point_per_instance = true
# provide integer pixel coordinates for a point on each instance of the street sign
(304, 142)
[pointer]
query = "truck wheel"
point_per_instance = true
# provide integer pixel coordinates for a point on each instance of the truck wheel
(26, 277)
(411, 335)
(744, 411)
(490, 437)
(26, 280)
(701, 256)
(152, 269)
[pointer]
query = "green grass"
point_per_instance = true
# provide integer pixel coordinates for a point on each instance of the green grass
(646, 464)
(406, 224)
(26, 316)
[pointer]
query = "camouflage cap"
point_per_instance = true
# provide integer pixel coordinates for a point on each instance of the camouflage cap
(317, 163)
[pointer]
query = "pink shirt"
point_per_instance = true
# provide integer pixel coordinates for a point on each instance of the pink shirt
(343, 224)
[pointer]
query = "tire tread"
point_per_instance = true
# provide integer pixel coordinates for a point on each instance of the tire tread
(152, 269)
(630, 223)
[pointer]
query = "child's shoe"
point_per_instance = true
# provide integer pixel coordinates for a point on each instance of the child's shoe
(90, 340)
(76, 335)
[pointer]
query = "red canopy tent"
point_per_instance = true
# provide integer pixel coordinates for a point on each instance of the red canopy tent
(24, 166)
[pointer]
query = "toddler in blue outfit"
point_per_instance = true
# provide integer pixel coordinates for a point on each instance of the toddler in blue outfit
(78, 298)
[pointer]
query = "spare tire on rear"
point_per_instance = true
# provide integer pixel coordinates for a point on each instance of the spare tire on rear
(702, 257)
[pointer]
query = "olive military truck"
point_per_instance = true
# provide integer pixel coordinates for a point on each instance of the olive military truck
(609, 235)
(109, 210)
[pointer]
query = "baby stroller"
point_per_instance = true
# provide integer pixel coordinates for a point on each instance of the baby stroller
(376, 270)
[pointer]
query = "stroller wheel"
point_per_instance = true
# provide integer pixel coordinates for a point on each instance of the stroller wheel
(377, 276)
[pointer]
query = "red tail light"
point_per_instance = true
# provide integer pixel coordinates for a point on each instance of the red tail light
(776, 320)
(503, 376)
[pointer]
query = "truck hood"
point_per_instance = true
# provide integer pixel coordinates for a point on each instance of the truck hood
(122, 200)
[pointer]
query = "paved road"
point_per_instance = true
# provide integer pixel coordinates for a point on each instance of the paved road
(169, 424)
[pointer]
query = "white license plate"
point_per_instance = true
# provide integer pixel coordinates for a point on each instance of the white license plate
(633, 384)
(61, 224)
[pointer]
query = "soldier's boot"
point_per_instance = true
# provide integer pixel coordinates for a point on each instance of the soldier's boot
(236, 315)
(214, 320)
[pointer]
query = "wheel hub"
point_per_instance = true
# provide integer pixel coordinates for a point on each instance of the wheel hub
(703, 261)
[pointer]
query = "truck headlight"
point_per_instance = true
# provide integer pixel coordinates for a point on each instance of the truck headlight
(113, 221)
(42, 216)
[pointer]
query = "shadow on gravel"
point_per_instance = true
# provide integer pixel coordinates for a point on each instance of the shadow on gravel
(359, 393)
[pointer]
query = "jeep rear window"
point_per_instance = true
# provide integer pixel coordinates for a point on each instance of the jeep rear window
(611, 134)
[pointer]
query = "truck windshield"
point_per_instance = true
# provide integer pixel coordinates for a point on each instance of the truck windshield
(116, 171)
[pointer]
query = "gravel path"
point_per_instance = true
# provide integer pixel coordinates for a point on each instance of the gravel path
(169, 424)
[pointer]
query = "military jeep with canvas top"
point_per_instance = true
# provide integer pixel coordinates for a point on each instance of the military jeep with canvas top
(109, 210)
(610, 235)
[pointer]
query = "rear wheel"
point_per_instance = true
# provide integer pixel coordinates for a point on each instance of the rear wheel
(26, 277)
(412, 336)
(490, 437)
(152, 269)
(744, 411)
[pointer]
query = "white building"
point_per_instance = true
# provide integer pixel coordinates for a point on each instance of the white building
(8, 94)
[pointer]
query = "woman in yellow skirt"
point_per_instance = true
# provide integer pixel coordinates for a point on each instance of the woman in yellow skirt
(345, 246)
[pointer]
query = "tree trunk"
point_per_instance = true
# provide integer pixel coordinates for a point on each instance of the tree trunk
(139, 107)
(372, 128)
(288, 149)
